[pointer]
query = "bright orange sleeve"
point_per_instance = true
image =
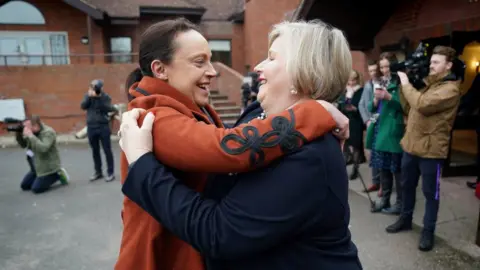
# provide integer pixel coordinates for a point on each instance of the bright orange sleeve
(184, 143)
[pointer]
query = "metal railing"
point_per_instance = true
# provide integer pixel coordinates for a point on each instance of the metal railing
(66, 59)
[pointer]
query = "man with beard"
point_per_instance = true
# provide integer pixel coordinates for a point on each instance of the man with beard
(431, 114)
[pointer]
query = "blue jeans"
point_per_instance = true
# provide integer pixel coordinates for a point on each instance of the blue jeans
(430, 170)
(95, 136)
(38, 184)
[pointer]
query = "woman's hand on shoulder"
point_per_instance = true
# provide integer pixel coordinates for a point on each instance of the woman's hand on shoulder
(342, 131)
(136, 141)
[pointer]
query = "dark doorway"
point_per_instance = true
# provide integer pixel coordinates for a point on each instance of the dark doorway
(462, 155)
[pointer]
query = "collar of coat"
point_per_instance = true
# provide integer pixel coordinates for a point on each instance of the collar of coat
(442, 77)
(151, 88)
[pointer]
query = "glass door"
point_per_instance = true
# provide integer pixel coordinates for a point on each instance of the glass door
(35, 47)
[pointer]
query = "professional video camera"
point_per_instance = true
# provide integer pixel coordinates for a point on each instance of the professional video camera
(417, 66)
(13, 125)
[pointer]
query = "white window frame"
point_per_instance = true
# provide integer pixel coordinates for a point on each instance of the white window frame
(45, 35)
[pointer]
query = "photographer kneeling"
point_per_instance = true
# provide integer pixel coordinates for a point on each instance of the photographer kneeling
(42, 156)
(431, 113)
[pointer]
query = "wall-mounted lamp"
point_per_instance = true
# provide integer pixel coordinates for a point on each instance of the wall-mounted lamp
(84, 40)
(476, 64)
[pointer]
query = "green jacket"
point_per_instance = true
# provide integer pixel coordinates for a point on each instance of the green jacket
(390, 121)
(44, 148)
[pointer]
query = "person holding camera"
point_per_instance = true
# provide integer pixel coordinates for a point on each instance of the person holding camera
(98, 105)
(431, 114)
(42, 156)
(384, 135)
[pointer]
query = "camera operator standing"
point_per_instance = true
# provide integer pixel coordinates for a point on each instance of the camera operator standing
(42, 156)
(98, 104)
(431, 114)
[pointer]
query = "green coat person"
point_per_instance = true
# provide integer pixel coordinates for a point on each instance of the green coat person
(388, 116)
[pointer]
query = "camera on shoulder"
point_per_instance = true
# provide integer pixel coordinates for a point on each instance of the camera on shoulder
(417, 67)
(13, 125)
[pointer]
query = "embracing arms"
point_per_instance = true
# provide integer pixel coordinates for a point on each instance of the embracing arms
(184, 143)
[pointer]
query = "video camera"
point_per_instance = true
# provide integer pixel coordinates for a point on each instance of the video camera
(417, 66)
(13, 125)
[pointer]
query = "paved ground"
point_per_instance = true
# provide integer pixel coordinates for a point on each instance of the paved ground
(78, 227)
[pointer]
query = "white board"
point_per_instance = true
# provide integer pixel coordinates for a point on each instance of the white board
(13, 108)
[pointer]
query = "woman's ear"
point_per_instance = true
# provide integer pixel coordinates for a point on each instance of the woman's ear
(158, 69)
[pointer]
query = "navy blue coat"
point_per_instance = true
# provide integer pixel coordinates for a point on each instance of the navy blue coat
(294, 214)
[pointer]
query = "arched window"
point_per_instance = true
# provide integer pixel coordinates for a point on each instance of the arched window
(20, 12)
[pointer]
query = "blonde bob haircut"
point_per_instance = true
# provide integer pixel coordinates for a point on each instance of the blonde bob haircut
(318, 58)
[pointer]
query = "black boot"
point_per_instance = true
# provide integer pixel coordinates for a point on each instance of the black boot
(354, 174)
(396, 209)
(426, 241)
(386, 178)
(356, 164)
(402, 224)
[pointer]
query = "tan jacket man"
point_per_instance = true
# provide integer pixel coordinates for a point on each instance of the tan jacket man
(430, 113)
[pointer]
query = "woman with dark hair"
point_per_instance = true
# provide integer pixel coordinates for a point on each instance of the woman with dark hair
(385, 133)
(134, 77)
(189, 136)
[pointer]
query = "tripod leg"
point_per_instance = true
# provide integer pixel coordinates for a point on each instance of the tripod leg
(372, 203)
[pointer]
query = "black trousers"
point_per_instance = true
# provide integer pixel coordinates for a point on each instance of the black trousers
(430, 169)
(95, 136)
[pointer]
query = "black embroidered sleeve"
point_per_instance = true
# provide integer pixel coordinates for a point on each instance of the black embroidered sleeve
(283, 134)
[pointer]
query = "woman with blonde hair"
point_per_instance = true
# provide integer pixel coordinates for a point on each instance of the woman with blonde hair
(349, 105)
(290, 214)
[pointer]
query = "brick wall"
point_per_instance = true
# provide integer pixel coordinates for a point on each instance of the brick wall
(359, 63)
(55, 92)
(421, 19)
(228, 31)
(228, 83)
(260, 16)
(63, 17)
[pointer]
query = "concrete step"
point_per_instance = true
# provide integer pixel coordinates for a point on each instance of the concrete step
(228, 109)
(222, 103)
(218, 97)
(229, 122)
(229, 116)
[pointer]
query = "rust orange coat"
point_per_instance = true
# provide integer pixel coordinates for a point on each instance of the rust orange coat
(184, 138)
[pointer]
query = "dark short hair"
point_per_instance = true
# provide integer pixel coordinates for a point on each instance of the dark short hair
(35, 120)
(157, 42)
(448, 52)
(133, 77)
(372, 62)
